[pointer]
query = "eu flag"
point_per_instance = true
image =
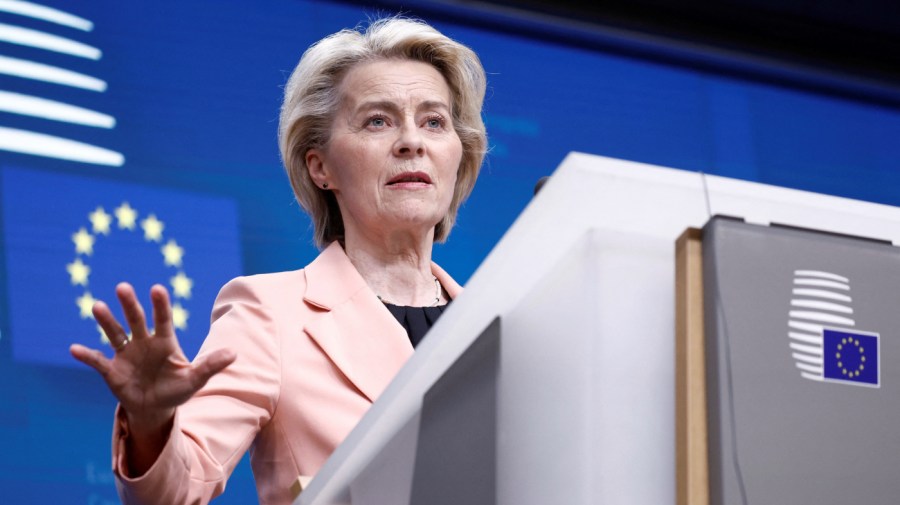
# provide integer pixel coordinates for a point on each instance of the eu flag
(851, 357)
(70, 239)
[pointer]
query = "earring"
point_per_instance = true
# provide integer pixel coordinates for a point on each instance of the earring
(325, 185)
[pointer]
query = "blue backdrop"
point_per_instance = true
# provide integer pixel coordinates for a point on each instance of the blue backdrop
(177, 105)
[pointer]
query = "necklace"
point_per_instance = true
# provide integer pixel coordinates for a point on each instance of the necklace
(437, 294)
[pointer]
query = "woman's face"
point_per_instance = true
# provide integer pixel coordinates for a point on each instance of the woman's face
(393, 154)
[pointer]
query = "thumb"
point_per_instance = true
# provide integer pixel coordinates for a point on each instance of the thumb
(210, 364)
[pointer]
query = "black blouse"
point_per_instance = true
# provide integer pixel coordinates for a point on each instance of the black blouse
(416, 320)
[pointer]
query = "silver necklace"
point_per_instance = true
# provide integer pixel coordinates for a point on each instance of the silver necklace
(437, 294)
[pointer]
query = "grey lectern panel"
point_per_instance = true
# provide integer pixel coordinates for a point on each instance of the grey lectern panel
(456, 456)
(803, 365)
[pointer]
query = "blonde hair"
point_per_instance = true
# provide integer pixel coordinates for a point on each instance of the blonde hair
(311, 99)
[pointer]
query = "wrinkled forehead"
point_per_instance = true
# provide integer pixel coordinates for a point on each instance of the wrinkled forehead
(394, 80)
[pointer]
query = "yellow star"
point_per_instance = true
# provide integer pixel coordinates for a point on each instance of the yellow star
(79, 272)
(179, 317)
(100, 220)
(85, 302)
(84, 242)
(172, 253)
(181, 285)
(153, 228)
(103, 338)
(126, 216)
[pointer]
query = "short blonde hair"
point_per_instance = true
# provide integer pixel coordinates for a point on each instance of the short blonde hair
(312, 96)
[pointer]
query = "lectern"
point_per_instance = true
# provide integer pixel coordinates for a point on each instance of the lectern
(552, 378)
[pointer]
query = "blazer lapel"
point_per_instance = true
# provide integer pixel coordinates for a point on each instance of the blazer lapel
(357, 333)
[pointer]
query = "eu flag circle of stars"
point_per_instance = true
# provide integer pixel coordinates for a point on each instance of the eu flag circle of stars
(860, 357)
(127, 220)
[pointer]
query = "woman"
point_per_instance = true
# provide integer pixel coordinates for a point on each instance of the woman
(382, 139)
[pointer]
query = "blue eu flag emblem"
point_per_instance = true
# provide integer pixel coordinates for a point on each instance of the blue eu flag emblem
(851, 357)
(69, 239)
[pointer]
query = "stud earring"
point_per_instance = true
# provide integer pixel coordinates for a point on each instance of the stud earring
(325, 186)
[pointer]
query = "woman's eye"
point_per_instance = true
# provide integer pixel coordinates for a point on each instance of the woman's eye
(434, 122)
(377, 121)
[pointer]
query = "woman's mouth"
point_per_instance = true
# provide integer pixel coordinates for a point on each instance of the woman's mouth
(410, 179)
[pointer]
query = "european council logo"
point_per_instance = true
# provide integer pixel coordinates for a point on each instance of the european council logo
(823, 341)
(35, 43)
(68, 241)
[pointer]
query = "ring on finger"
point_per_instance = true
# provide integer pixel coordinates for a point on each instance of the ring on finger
(121, 345)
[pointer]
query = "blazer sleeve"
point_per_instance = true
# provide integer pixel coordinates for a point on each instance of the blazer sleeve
(216, 426)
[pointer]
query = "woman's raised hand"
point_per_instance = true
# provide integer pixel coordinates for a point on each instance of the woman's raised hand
(149, 374)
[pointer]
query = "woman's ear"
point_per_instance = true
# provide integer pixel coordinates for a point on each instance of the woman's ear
(315, 164)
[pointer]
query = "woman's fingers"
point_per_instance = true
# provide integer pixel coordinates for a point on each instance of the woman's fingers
(149, 376)
(91, 357)
(117, 336)
(162, 311)
(134, 313)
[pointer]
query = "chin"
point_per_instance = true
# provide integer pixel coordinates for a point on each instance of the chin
(416, 220)
(416, 211)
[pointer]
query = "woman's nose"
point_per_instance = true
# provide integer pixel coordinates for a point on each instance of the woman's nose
(410, 142)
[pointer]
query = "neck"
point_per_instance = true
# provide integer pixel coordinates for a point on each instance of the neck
(397, 268)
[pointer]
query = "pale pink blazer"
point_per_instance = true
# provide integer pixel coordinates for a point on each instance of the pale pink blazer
(315, 347)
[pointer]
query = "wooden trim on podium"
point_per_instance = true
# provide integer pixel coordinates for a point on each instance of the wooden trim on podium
(691, 450)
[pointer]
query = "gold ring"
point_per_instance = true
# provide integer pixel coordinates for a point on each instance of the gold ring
(121, 345)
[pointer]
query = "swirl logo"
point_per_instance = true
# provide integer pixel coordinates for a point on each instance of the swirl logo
(27, 71)
(823, 340)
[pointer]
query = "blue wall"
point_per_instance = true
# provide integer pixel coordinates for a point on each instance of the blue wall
(194, 88)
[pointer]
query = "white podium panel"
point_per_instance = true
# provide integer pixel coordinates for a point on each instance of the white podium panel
(583, 285)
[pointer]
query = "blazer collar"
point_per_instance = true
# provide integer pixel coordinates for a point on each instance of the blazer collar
(356, 331)
(331, 279)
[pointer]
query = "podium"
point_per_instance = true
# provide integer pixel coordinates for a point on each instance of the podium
(552, 378)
